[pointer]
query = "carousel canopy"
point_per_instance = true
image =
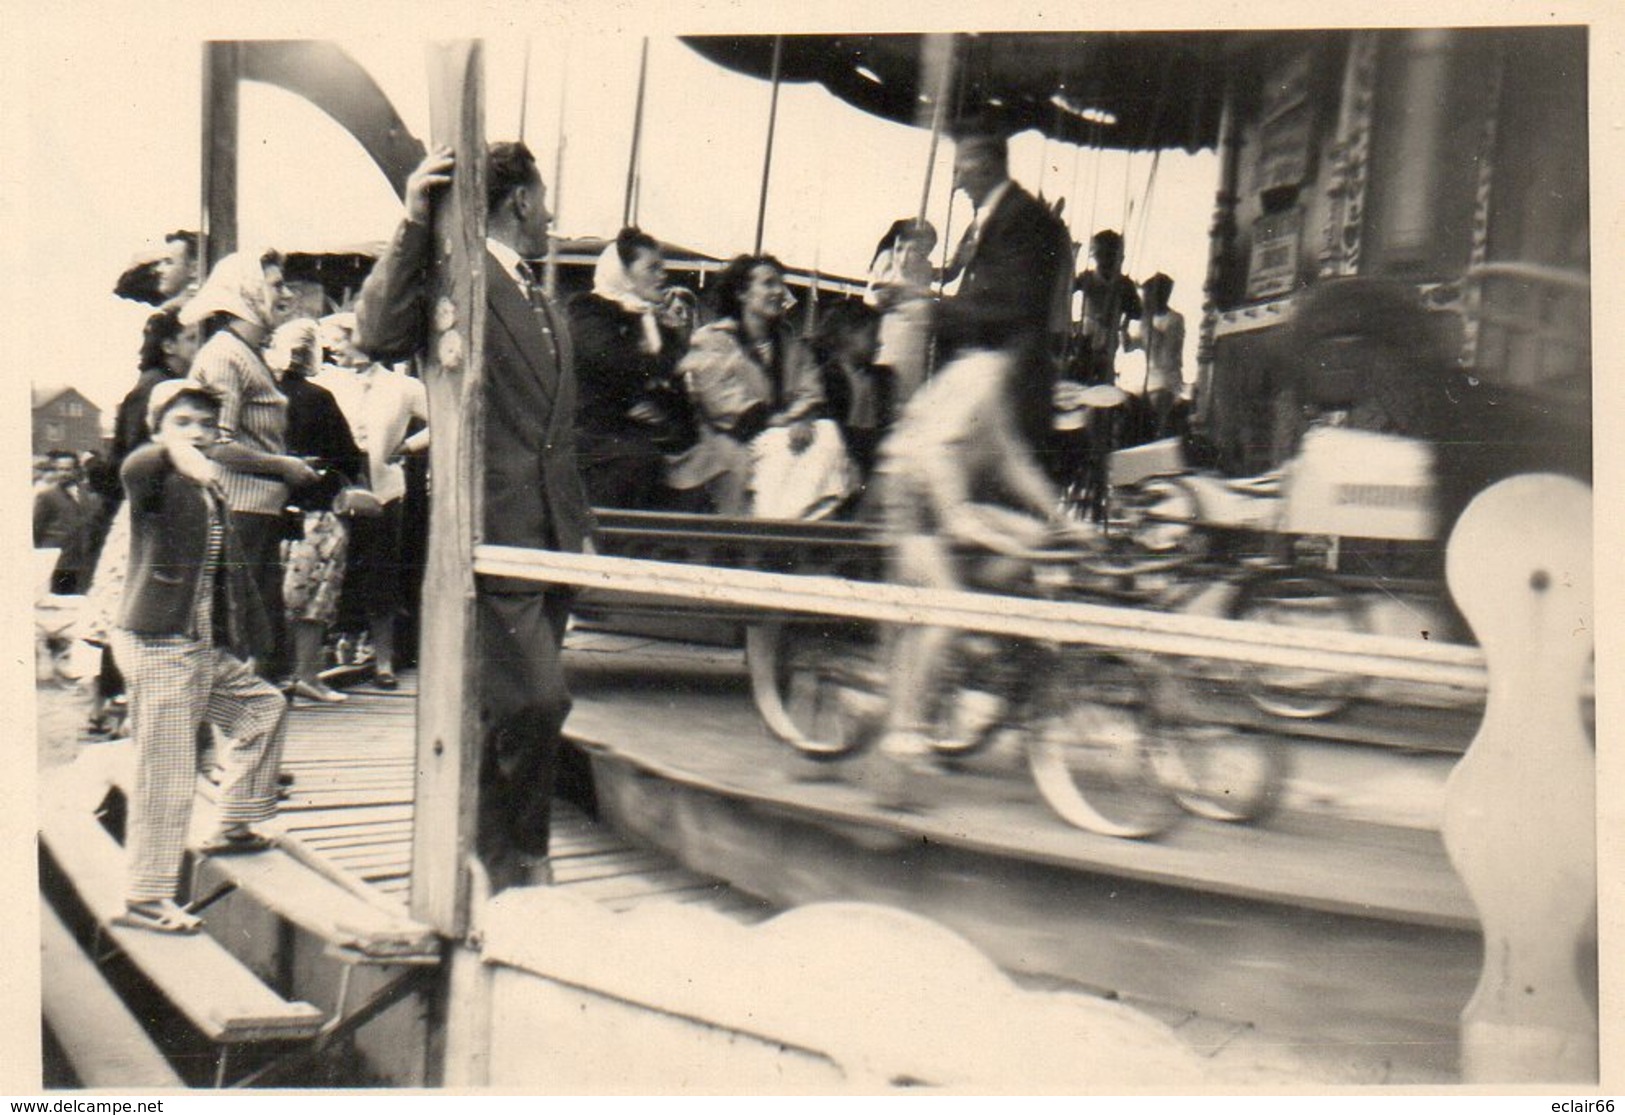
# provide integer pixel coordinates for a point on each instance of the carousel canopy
(1130, 90)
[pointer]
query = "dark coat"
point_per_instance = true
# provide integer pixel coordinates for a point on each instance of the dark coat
(1013, 296)
(615, 375)
(318, 432)
(533, 494)
(169, 537)
(1016, 280)
(70, 526)
(130, 426)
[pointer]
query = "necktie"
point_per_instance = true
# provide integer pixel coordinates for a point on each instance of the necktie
(532, 290)
(967, 244)
(528, 282)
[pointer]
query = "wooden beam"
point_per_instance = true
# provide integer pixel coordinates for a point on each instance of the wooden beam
(448, 742)
(226, 1002)
(282, 884)
(103, 1041)
(1119, 628)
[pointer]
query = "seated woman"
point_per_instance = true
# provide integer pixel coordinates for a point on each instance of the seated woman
(634, 423)
(759, 396)
(859, 395)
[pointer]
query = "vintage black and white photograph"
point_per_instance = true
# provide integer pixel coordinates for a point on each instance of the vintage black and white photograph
(759, 553)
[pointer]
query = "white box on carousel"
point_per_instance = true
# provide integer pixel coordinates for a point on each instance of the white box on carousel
(1155, 458)
(1359, 484)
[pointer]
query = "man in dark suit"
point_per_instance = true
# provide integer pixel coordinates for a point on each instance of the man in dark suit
(65, 516)
(533, 494)
(1016, 261)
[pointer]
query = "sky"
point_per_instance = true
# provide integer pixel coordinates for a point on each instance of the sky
(113, 130)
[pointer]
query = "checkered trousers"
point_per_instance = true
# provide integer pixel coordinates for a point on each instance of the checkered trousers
(176, 683)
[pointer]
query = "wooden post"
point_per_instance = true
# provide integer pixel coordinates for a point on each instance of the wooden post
(222, 67)
(1520, 807)
(448, 742)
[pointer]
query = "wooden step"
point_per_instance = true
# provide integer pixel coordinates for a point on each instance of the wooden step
(217, 994)
(103, 1041)
(340, 917)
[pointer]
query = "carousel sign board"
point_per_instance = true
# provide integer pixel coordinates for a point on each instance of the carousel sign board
(1273, 268)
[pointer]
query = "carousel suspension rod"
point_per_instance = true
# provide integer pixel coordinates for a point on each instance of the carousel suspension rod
(637, 137)
(550, 270)
(524, 89)
(937, 55)
(772, 123)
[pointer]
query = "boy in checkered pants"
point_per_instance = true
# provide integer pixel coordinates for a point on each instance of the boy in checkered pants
(188, 632)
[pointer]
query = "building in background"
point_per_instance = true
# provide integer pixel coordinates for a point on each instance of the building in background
(65, 419)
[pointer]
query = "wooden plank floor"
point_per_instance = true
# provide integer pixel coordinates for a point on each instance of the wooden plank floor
(350, 810)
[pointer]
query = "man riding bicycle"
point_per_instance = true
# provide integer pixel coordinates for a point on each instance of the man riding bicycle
(965, 505)
(959, 470)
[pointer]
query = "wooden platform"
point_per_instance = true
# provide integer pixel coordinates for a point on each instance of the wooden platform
(350, 809)
(1344, 855)
(349, 815)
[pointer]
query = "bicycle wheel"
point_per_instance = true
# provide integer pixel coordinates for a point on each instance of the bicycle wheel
(1224, 774)
(1091, 753)
(802, 680)
(1167, 518)
(1291, 692)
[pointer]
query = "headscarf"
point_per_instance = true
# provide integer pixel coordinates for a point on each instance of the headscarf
(237, 287)
(290, 339)
(611, 282)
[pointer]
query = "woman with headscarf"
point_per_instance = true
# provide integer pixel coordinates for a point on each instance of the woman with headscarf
(242, 301)
(633, 420)
(316, 554)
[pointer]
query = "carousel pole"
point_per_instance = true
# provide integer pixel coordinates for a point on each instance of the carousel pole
(524, 89)
(628, 208)
(767, 155)
(937, 60)
(550, 270)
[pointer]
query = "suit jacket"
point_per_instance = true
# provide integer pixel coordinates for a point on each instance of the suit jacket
(1014, 282)
(532, 486)
(169, 535)
(69, 525)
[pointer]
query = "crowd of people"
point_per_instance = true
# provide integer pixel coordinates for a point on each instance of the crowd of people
(255, 511)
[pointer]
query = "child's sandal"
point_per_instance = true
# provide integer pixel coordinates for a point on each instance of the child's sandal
(159, 916)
